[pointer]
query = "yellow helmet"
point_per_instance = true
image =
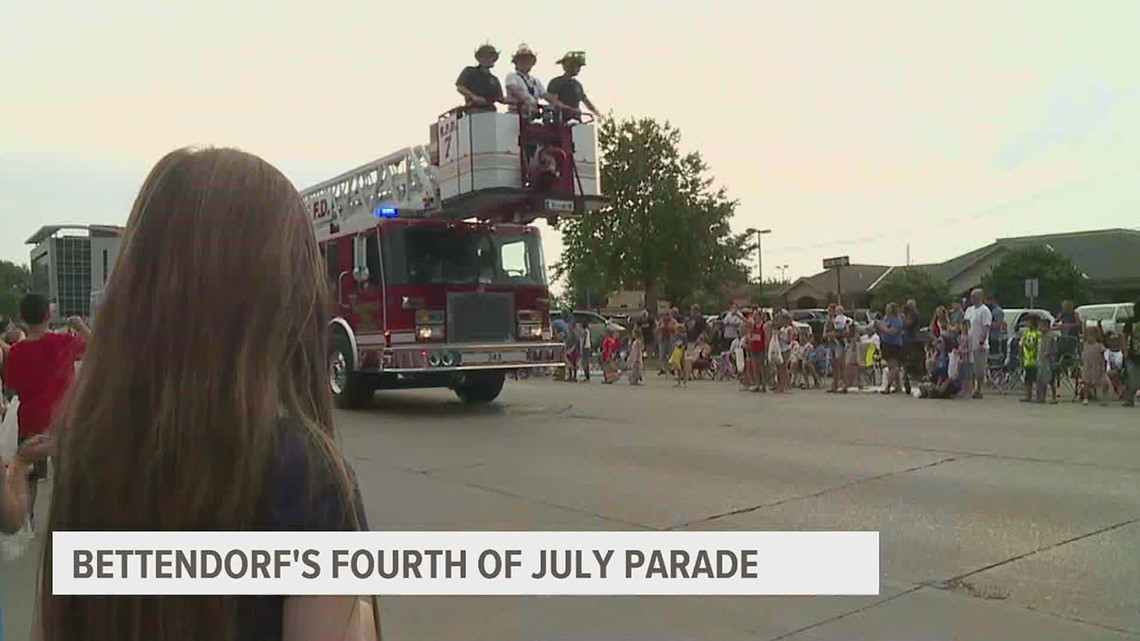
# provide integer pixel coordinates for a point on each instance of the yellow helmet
(573, 57)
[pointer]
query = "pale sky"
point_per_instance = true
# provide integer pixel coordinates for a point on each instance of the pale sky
(847, 128)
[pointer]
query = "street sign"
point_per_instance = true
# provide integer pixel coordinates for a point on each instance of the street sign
(841, 261)
(1031, 288)
(560, 205)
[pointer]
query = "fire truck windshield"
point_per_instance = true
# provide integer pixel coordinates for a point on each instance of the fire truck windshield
(462, 256)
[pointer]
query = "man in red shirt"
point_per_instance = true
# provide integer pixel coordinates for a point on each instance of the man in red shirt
(41, 369)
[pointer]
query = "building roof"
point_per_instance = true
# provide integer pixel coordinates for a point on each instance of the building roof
(48, 231)
(1105, 254)
(1102, 255)
(854, 278)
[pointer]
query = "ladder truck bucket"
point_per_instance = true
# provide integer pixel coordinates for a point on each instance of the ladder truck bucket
(485, 165)
(506, 167)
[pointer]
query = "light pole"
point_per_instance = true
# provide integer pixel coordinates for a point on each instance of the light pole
(759, 258)
(783, 273)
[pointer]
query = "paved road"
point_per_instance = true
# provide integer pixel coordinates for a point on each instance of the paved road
(998, 520)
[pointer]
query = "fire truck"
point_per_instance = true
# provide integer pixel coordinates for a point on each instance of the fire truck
(436, 267)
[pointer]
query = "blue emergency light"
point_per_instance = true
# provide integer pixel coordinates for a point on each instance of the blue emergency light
(387, 212)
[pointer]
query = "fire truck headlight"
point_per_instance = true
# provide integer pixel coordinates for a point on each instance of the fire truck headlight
(530, 331)
(429, 332)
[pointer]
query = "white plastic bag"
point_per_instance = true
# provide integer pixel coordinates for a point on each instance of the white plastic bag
(14, 546)
(10, 431)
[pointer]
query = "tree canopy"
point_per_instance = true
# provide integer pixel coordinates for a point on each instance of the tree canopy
(665, 228)
(1058, 279)
(904, 284)
(15, 281)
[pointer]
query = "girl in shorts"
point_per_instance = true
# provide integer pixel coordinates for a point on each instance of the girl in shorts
(758, 355)
(776, 361)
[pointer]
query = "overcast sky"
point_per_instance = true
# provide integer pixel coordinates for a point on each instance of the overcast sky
(847, 128)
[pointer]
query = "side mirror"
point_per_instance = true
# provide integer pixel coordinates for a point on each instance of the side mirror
(360, 259)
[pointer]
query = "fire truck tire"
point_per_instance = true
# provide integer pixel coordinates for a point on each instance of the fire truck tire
(481, 390)
(350, 390)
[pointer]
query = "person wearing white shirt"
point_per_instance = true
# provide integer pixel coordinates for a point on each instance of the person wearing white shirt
(525, 89)
(523, 93)
(981, 320)
(732, 322)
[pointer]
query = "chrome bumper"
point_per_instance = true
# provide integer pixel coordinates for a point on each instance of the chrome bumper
(444, 357)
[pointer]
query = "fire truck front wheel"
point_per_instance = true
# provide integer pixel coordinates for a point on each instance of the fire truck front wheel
(483, 389)
(350, 390)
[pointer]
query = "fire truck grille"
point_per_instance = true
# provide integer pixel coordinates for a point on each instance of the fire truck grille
(473, 317)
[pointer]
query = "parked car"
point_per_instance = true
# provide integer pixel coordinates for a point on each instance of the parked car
(803, 327)
(625, 320)
(598, 326)
(813, 318)
(1111, 316)
(1016, 320)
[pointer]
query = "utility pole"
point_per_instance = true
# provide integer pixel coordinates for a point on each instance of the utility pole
(759, 258)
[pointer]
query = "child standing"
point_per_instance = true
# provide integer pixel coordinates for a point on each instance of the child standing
(758, 354)
(786, 336)
(572, 343)
(585, 342)
(1114, 361)
(797, 364)
(1030, 344)
(736, 350)
(807, 363)
(1046, 363)
(609, 358)
(775, 359)
(854, 366)
(677, 360)
(636, 358)
(1094, 368)
(966, 352)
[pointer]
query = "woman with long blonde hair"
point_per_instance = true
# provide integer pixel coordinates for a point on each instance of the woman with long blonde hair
(203, 403)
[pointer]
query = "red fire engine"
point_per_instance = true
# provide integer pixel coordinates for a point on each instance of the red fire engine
(438, 274)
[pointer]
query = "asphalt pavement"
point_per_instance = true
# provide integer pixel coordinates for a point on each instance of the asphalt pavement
(998, 520)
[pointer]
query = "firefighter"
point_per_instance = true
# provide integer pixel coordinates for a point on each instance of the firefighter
(567, 88)
(478, 85)
(524, 88)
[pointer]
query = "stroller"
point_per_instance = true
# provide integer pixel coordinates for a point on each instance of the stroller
(723, 369)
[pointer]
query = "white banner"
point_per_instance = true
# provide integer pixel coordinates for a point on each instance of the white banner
(466, 563)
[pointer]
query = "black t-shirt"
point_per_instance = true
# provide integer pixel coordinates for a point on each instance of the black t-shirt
(298, 497)
(1074, 322)
(697, 327)
(645, 327)
(911, 322)
(1128, 330)
(480, 82)
(568, 90)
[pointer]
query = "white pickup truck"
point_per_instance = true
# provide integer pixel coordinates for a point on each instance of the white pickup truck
(1111, 316)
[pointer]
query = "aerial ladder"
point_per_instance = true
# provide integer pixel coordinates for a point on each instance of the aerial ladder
(485, 166)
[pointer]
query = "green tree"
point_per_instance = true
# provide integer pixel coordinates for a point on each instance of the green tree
(906, 283)
(560, 302)
(15, 281)
(665, 228)
(1058, 279)
(768, 295)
